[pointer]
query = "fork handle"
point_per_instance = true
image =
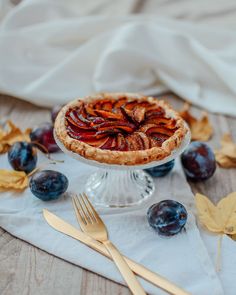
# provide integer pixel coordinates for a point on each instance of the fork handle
(124, 269)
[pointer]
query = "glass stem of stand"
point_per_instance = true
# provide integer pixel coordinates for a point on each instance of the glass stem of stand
(119, 188)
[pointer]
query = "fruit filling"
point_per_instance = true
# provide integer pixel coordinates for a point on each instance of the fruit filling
(122, 125)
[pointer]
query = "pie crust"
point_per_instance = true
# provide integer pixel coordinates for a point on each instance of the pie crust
(115, 156)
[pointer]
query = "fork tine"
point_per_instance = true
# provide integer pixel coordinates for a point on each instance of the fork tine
(91, 208)
(82, 208)
(78, 212)
(86, 209)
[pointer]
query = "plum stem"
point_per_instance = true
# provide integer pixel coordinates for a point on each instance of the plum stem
(40, 167)
(39, 145)
(33, 171)
(218, 257)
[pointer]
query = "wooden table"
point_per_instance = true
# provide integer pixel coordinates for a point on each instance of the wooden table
(24, 269)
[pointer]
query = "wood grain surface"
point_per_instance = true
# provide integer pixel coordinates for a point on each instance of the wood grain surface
(26, 270)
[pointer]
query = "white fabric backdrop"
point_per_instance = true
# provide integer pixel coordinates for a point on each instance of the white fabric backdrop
(50, 53)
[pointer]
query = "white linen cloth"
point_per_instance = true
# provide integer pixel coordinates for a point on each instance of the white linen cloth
(182, 258)
(49, 54)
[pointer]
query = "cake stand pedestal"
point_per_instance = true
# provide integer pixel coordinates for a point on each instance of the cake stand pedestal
(119, 185)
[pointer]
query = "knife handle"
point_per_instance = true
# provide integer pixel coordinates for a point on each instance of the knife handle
(137, 268)
(124, 269)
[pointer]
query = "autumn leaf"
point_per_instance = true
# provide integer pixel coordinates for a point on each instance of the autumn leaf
(207, 213)
(201, 129)
(233, 237)
(226, 156)
(17, 180)
(1, 133)
(11, 134)
(219, 219)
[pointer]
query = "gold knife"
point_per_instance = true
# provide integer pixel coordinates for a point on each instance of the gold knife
(69, 230)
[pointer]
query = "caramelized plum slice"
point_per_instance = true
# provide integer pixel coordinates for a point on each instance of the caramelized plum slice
(97, 142)
(121, 142)
(78, 129)
(127, 114)
(90, 111)
(138, 114)
(82, 115)
(167, 122)
(114, 143)
(99, 104)
(125, 126)
(161, 130)
(107, 144)
(147, 105)
(129, 143)
(133, 144)
(96, 120)
(73, 118)
(154, 143)
(85, 135)
(136, 136)
(145, 140)
(108, 115)
(160, 138)
(171, 125)
(111, 131)
(81, 134)
(130, 105)
(110, 144)
(118, 104)
(156, 112)
(107, 106)
(145, 127)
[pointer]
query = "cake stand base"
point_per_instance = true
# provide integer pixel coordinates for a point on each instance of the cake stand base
(119, 188)
(119, 185)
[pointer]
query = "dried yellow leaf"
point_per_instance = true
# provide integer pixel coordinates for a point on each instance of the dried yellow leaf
(9, 179)
(224, 161)
(220, 218)
(207, 213)
(201, 129)
(10, 135)
(226, 156)
(227, 210)
(228, 146)
(1, 133)
(233, 237)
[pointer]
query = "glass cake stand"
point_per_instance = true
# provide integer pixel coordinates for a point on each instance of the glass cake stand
(119, 185)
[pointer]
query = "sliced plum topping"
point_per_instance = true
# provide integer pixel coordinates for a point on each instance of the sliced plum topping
(120, 124)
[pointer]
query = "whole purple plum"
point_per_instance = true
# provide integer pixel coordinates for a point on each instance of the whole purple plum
(198, 161)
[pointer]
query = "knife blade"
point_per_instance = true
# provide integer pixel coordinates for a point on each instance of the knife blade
(64, 227)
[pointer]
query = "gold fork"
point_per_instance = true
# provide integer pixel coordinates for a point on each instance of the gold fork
(91, 223)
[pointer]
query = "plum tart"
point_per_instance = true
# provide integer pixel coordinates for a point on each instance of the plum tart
(120, 128)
